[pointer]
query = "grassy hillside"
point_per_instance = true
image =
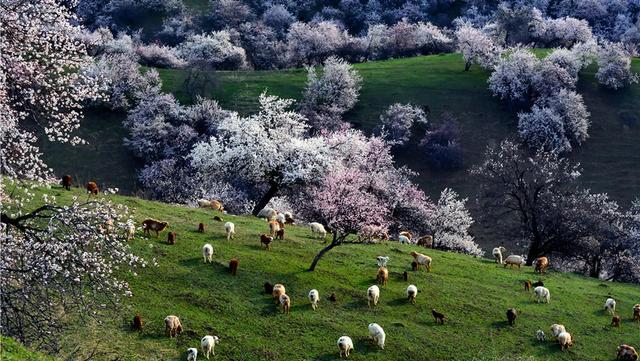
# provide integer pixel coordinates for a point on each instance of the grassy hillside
(12, 350)
(473, 293)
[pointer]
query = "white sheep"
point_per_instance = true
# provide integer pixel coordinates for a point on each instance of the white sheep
(497, 254)
(377, 334)
(207, 253)
(131, 230)
(281, 218)
(557, 329)
(318, 230)
(314, 297)
(267, 213)
(540, 335)
(610, 305)
(382, 261)
(514, 260)
(404, 239)
(542, 294)
(345, 345)
(373, 295)
(204, 203)
(565, 341)
(192, 354)
(230, 228)
(208, 344)
(412, 292)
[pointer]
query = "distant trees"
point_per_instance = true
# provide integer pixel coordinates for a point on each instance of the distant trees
(214, 50)
(513, 76)
(477, 47)
(398, 120)
(614, 66)
(442, 146)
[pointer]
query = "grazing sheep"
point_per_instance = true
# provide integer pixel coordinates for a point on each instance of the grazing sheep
(512, 314)
(412, 292)
(217, 205)
(137, 322)
(610, 305)
(285, 301)
(280, 218)
(149, 225)
(636, 312)
(527, 285)
(314, 298)
(497, 254)
(626, 353)
(373, 295)
(201, 227)
(172, 326)
(280, 234)
(382, 261)
(405, 276)
(203, 203)
(268, 288)
(171, 237)
(542, 294)
(377, 334)
(438, 316)
(540, 335)
(267, 213)
(414, 266)
(345, 345)
(192, 354)
(92, 188)
(383, 276)
(425, 241)
(288, 218)
(333, 298)
(131, 231)
(233, 266)
(615, 321)
(404, 239)
(318, 230)
(537, 284)
(274, 227)
(373, 234)
(278, 290)
(557, 329)
(423, 260)
(266, 240)
(514, 260)
(541, 265)
(207, 253)
(230, 228)
(67, 182)
(565, 341)
(208, 344)
(218, 219)
(407, 234)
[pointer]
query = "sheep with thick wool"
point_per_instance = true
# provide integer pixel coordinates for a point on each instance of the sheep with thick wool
(373, 295)
(542, 294)
(610, 305)
(565, 340)
(207, 253)
(208, 344)
(557, 329)
(230, 229)
(412, 293)
(377, 334)
(192, 354)
(318, 230)
(497, 254)
(173, 326)
(513, 260)
(314, 298)
(422, 260)
(345, 345)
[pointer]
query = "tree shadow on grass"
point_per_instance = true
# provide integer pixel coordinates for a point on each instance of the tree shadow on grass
(500, 324)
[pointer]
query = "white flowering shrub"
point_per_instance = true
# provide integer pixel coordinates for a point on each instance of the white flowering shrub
(397, 121)
(159, 56)
(450, 223)
(513, 75)
(215, 50)
(477, 47)
(614, 66)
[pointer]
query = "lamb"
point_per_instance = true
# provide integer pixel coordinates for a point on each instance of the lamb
(230, 228)
(405, 276)
(383, 276)
(268, 288)
(278, 290)
(137, 322)
(514, 260)
(345, 345)
(404, 239)
(333, 298)
(207, 253)
(542, 294)
(373, 295)
(192, 354)
(636, 312)
(557, 329)
(288, 218)
(376, 333)
(268, 213)
(425, 241)
(610, 305)
(285, 301)
(615, 321)
(131, 231)
(208, 344)
(233, 266)
(512, 314)
(171, 237)
(540, 335)
(626, 353)
(382, 261)
(438, 316)
(564, 339)
(412, 292)
(173, 327)
(527, 285)
(541, 265)
(67, 182)
(274, 227)
(423, 260)
(149, 225)
(266, 241)
(497, 254)
(201, 227)
(314, 298)
(92, 188)
(318, 230)
(280, 234)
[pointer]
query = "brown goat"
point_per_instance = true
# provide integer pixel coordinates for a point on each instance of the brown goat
(438, 316)
(67, 182)
(173, 326)
(171, 238)
(285, 301)
(218, 219)
(333, 298)
(266, 240)
(626, 353)
(425, 241)
(201, 228)
(92, 188)
(541, 265)
(383, 276)
(137, 322)
(636, 312)
(512, 314)
(280, 234)
(217, 205)
(615, 321)
(233, 266)
(527, 285)
(278, 290)
(268, 288)
(405, 276)
(149, 225)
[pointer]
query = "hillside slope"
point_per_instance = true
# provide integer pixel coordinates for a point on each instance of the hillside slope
(473, 293)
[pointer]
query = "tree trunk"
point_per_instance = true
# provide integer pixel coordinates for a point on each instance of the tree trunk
(334, 243)
(467, 66)
(265, 199)
(534, 252)
(594, 270)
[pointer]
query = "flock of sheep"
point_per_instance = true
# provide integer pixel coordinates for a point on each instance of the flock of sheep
(277, 222)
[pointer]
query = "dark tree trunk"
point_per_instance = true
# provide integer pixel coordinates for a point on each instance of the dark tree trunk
(265, 199)
(594, 270)
(535, 251)
(336, 241)
(467, 66)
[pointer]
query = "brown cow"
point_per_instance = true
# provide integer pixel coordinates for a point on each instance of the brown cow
(92, 188)
(67, 182)
(149, 225)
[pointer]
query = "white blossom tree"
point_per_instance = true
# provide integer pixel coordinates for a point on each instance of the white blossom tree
(214, 50)
(450, 223)
(396, 122)
(477, 47)
(614, 66)
(513, 75)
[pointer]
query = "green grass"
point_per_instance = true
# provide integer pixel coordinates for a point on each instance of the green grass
(12, 350)
(473, 293)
